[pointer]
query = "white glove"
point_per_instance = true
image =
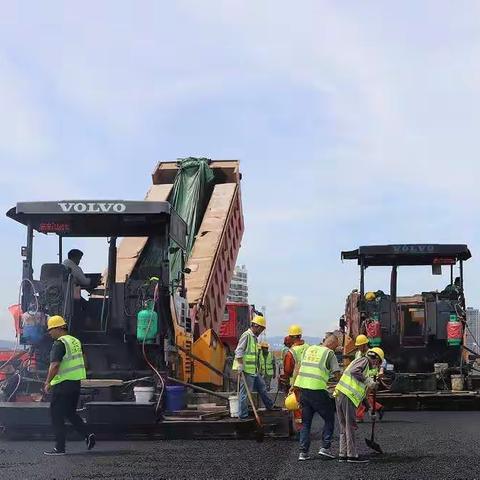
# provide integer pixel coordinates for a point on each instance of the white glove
(240, 368)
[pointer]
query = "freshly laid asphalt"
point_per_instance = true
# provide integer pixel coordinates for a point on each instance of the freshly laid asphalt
(417, 445)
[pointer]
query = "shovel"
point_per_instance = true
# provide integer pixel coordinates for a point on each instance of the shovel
(371, 441)
(259, 433)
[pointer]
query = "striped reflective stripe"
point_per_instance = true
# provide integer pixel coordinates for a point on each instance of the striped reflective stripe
(358, 395)
(73, 357)
(71, 369)
(310, 375)
(311, 364)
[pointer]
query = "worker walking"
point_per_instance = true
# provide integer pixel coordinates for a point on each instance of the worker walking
(266, 364)
(247, 361)
(318, 364)
(293, 358)
(67, 369)
(350, 392)
(361, 344)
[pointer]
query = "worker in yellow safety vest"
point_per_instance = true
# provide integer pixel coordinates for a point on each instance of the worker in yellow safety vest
(350, 392)
(266, 364)
(67, 369)
(318, 364)
(291, 360)
(247, 361)
(361, 344)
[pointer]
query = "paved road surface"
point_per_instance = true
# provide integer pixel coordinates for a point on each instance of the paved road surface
(419, 445)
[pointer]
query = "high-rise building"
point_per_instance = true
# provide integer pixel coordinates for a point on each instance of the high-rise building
(473, 331)
(239, 286)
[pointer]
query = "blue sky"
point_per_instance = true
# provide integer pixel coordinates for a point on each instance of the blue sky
(355, 123)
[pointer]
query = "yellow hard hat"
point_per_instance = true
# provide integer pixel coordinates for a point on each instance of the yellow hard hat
(259, 320)
(291, 402)
(264, 345)
(378, 351)
(361, 340)
(55, 322)
(294, 330)
(370, 296)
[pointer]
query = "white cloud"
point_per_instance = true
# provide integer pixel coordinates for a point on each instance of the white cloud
(288, 303)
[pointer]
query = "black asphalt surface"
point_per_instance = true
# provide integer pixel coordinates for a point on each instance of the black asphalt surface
(417, 445)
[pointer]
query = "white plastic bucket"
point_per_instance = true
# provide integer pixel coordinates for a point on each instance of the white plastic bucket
(234, 406)
(143, 394)
(457, 383)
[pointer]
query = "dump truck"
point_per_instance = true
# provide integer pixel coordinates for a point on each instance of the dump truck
(160, 303)
(422, 334)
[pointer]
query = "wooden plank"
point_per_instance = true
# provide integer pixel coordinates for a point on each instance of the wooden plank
(130, 248)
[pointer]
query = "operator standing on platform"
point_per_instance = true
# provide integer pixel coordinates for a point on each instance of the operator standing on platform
(67, 369)
(246, 361)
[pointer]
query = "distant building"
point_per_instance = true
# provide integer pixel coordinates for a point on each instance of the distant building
(239, 286)
(473, 334)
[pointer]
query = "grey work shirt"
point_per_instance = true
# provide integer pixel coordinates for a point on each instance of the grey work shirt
(357, 370)
(77, 273)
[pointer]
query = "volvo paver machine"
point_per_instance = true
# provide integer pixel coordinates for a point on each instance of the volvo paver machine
(422, 334)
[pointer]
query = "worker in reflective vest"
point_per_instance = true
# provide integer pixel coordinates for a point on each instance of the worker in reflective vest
(311, 378)
(266, 364)
(67, 369)
(291, 360)
(350, 392)
(246, 361)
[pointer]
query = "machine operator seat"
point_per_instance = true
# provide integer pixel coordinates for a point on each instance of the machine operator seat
(55, 288)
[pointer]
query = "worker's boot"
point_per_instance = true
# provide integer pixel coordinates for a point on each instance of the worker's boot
(326, 453)
(357, 460)
(90, 440)
(54, 452)
(304, 456)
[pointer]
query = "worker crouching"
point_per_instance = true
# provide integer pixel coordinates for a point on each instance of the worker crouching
(350, 392)
(247, 362)
(318, 364)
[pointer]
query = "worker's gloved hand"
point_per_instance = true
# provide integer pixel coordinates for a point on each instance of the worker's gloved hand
(240, 368)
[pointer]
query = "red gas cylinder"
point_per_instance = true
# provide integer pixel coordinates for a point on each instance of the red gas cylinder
(374, 333)
(454, 331)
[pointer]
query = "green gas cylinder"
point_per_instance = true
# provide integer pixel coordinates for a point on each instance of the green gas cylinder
(147, 323)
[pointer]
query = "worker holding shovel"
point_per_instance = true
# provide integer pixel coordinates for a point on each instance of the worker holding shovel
(247, 362)
(349, 394)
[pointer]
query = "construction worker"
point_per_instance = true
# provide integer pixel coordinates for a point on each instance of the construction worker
(367, 404)
(350, 392)
(361, 343)
(318, 364)
(247, 362)
(67, 369)
(295, 353)
(266, 364)
(292, 358)
(287, 345)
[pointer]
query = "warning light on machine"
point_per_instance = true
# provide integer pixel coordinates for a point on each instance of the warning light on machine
(444, 261)
(54, 227)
